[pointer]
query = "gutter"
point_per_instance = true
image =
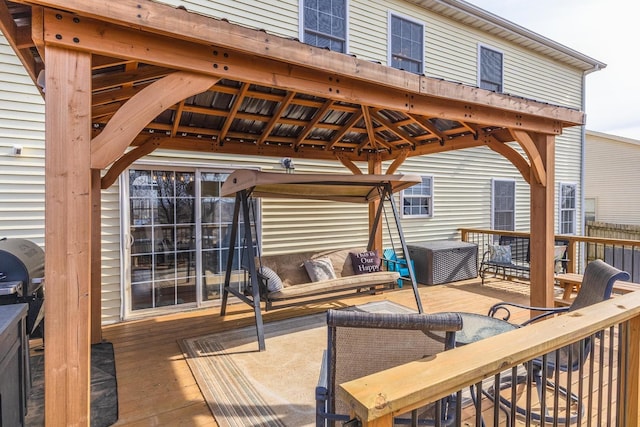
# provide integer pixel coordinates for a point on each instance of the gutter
(507, 25)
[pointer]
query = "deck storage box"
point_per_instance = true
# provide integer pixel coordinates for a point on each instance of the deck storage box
(444, 261)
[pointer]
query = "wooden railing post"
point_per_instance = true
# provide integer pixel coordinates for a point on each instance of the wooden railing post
(631, 404)
(573, 254)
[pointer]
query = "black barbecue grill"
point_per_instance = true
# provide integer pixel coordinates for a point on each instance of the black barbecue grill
(22, 278)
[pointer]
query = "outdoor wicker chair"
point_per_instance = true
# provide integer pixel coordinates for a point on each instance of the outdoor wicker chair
(597, 285)
(362, 343)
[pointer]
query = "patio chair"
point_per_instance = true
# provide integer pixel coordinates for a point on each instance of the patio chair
(391, 262)
(597, 285)
(362, 343)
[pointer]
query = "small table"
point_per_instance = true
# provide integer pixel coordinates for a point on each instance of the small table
(384, 306)
(476, 327)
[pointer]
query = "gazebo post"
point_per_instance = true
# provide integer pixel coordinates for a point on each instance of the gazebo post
(542, 224)
(375, 168)
(67, 237)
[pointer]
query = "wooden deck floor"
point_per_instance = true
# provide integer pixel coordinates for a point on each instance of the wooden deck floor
(156, 387)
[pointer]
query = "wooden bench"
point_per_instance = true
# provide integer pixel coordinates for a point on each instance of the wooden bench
(570, 284)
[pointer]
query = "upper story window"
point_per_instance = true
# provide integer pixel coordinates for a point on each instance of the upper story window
(324, 23)
(503, 204)
(489, 69)
(406, 44)
(567, 206)
(417, 201)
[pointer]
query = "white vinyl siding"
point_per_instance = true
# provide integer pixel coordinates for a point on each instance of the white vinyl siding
(279, 17)
(21, 177)
(611, 177)
(463, 177)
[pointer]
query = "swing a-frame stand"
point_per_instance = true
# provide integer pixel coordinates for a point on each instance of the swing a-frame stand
(333, 187)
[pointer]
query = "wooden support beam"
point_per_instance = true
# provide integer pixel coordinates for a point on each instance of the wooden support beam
(126, 160)
(542, 224)
(143, 107)
(96, 258)
(399, 160)
(375, 167)
(336, 78)
(349, 165)
(535, 159)
(68, 234)
(513, 156)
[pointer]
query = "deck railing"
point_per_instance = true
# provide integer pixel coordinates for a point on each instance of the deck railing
(620, 253)
(607, 383)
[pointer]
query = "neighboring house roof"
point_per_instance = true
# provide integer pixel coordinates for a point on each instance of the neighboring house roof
(615, 138)
(483, 20)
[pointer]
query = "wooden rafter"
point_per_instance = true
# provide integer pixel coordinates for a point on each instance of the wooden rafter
(371, 133)
(347, 127)
(235, 105)
(320, 113)
(395, 128)
(286, 101)
(140, 110)
(423, 121)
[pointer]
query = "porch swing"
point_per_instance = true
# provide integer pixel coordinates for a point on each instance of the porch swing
(244, 184)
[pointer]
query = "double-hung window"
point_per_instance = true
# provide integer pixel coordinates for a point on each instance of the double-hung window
(406, 44)
(417, 201)
(503, 204)
(490, 69)
(324, 23)
(567, 204)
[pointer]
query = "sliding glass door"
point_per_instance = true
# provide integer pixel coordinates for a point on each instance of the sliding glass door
(179, 233)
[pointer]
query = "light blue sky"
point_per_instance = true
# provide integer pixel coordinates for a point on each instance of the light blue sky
(608, 31)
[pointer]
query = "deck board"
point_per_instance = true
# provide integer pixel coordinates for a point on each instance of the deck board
(156, 387)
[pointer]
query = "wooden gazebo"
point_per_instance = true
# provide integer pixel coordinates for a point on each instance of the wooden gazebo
(123, 78)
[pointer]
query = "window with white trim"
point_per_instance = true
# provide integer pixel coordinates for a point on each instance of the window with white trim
(417, 201)
(567, 204)
(324, 24)
(503, 204)
(490, 69)
(406, 44)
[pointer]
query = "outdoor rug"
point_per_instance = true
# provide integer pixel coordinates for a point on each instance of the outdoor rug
(104, 388)
(276, 387)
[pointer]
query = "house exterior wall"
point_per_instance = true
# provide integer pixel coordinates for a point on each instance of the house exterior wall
(611, 177)
(461, 179)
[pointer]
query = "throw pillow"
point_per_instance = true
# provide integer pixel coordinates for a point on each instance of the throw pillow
(274, 283)
(319, 269)
(500, 253)
(365, 262)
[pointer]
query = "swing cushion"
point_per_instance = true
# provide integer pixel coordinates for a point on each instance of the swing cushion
(274, 283)
(319, 269)
(365, 262)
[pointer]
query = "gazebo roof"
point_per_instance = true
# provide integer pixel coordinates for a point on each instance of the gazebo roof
(267, 95)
